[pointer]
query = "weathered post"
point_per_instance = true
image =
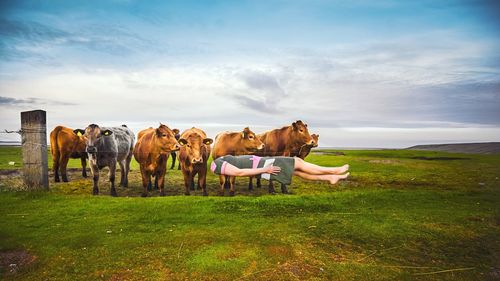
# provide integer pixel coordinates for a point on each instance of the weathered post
(34, 145)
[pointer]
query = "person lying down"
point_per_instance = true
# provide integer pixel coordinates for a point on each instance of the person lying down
(278, 168)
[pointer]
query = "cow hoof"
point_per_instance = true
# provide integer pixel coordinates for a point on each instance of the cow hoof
(57, 180)
(84, 175)
(65, 180)
(162, 193)
(114, 194)
(95, 191)
(231, 193)
(205, 193)
(187, 193)
(221, 193)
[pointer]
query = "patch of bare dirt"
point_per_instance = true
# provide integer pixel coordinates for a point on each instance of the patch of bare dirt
(12, 261)
(10, 173)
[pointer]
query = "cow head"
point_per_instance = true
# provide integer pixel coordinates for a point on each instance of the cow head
(315, 137)
(166, 139)
(300, 134)
(195, 147)
(92, 135)
(250, 141)
(176, 133)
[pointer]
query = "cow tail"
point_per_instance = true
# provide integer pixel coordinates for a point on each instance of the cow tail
(54, 147)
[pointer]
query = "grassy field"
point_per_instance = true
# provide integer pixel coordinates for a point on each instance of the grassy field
(403, 215)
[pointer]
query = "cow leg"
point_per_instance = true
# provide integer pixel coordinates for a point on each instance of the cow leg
(222, 183)
(83, 160)
(191, 184)
(55, 168)
(250, 183)
(284, 189)
(156, 181)
(198, 186)
(112, 173)
(95, 178)
(231, 185)
(227, 184)
(161, 183)
(187, 181)
(122, 173)
(202, 182)
(146, 181)
(127, 167)
(257, 181)
(63, 164)
(174, 155)
(271, 187)
(149, 185)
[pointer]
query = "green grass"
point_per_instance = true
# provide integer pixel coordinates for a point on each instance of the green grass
(402, 213)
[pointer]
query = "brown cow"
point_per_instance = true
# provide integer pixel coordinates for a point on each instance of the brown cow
(193, 158)
(286, 141)
(306, 148)
(151, 151)
(174, 153)
(235, 143)
(64, 144)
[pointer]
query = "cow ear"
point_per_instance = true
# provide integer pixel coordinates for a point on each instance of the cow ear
(176, 131)
(208, 141)
(245, 131)
(294, 125)
(106, 133)
(182, 141)
(79, 132)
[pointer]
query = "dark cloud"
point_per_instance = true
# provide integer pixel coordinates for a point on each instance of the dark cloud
(264, 92)
(27, 40)
(8, 101)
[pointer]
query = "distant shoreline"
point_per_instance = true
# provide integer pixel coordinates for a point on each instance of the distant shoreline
(477, 148)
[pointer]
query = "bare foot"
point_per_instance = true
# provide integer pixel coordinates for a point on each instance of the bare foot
(335, 178)
(340, 170)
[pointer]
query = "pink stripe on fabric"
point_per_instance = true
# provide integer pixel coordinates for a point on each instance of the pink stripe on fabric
(223, 168)
(256, 160)
(213, 166)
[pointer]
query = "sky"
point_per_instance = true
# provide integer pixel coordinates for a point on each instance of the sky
(360, 73)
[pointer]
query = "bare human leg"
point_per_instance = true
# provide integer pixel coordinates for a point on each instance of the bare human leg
(333, 179)
(318, 170)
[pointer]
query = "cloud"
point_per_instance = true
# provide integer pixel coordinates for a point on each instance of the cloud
(8, 101)
(263, 91)
(28, 40)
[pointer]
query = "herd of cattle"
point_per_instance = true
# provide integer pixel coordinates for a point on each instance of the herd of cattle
(106, 146)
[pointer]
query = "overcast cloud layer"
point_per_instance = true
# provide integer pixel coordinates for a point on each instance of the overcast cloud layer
(360, 73)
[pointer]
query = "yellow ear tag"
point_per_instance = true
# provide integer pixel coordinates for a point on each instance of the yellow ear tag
(79, 134)
(106, 133)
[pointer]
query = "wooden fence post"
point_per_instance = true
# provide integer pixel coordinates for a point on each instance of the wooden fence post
(34, 145)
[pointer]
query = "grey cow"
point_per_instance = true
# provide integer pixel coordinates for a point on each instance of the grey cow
(105, 147)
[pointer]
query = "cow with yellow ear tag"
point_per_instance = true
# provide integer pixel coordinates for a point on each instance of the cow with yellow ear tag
(105, 146)
(193, 157)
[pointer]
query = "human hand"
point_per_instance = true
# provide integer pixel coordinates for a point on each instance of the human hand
(274, 170)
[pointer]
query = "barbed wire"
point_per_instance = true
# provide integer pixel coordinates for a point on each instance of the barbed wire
(11, 132)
